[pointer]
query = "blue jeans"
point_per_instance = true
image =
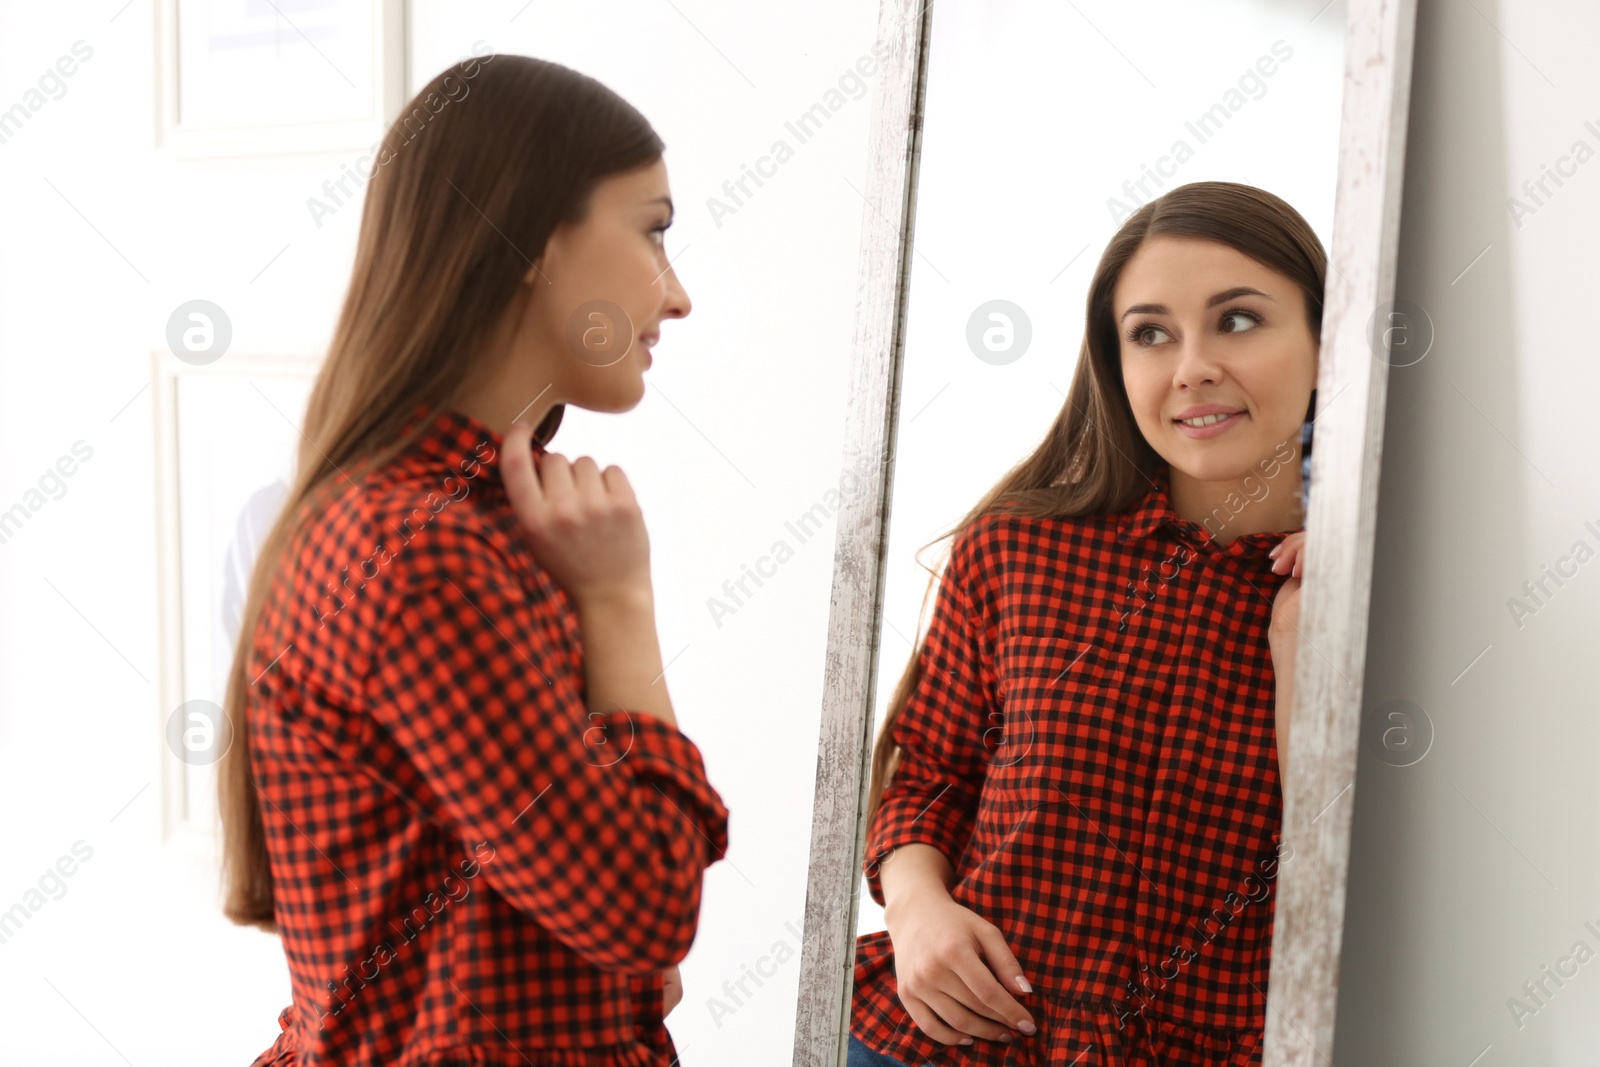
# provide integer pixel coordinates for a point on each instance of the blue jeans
(859, 1055)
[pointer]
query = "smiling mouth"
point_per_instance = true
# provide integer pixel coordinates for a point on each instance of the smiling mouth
(1201, 421)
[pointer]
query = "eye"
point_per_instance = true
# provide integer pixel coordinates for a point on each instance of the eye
(1136, 333)
(1240, 313)
(1138, 330)
(659, 234)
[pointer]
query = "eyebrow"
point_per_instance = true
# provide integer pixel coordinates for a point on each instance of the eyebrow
(1221, 298)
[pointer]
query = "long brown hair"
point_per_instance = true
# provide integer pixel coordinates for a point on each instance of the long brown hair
(1094, 460)
(468, 185)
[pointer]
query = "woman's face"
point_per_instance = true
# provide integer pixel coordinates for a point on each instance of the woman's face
(601, 290)
(1203, 326)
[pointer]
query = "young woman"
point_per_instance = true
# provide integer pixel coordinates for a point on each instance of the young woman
(456, 786)
(1075, 804)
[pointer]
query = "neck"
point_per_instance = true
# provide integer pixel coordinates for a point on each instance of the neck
(511, 386)
(1250, 504)
(497, 409)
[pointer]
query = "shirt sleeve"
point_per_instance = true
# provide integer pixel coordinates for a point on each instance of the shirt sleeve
(599, 826)
(932, 796)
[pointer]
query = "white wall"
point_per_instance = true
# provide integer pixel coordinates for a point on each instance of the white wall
(739, 434)
(1477, 865)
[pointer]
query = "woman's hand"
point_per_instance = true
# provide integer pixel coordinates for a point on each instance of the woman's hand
(1289, 557)
(672, 989)
(946, 958)
(1289, 554)
(585, 524)
(1283, 635)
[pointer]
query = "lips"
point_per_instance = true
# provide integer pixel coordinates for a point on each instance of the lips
(1225, 423)
(1198, 410)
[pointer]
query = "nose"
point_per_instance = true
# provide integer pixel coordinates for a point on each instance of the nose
(1197, 364)
(677, 303)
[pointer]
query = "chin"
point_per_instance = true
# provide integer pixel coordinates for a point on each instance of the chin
(631, 400)
(616, 396)
(1218, 468)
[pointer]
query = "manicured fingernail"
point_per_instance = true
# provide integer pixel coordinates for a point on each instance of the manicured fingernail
(1005, 1037)
(966, 1041)
(1026, 1027)
(1022, 984)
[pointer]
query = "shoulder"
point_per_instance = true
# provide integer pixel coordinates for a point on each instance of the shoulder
(984, 550)
(376, 537)
(366, 543)
(1005, 540)
(1000, 550)
(434, 524)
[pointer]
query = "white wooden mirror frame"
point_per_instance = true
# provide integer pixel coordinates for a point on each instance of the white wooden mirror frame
(1352, 384)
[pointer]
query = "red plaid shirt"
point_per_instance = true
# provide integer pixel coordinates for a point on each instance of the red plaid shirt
(469, 866)
(1093, 746)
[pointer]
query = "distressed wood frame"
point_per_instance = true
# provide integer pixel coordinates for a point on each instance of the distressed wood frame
(1341, 521)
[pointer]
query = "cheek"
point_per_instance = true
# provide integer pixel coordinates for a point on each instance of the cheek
(1143, 396)
(632, 276)
(602, 268)
(1280, 407)
(611, 271)
(1284, 388)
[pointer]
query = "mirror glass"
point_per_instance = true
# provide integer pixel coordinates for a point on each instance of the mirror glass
(1096, 747)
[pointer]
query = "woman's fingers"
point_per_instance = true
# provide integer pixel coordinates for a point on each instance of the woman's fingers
(617, 484)
(586, 484)
(985, 981)
(543, 490)
(1289, 555)
(584, 526)
(516, 470)
(960, 993)
(929, 1022)
(955, 1007)
(559, 484)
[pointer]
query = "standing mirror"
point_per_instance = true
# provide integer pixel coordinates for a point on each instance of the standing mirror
(1089, 739)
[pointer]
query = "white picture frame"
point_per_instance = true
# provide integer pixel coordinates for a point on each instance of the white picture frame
(313, 76)
(226, 437)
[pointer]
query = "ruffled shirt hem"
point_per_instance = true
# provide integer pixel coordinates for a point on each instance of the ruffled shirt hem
(1081, 1034)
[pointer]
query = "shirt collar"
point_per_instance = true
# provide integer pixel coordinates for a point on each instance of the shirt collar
(1150, 513)
(1154, 511)
(453, 437)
